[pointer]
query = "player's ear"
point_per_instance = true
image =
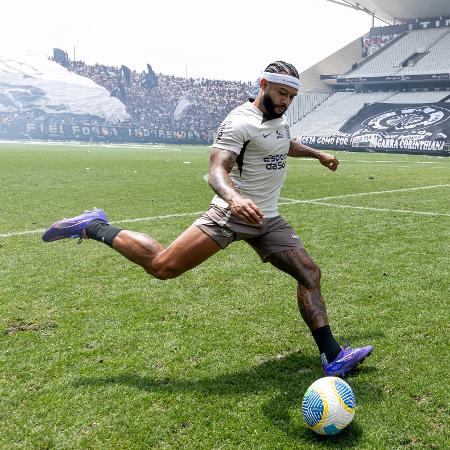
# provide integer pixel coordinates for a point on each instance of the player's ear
(263, 83)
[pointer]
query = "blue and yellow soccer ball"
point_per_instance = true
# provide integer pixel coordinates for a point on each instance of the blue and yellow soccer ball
(328, 405)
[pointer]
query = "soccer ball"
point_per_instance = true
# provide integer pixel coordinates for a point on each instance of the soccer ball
(328, 405)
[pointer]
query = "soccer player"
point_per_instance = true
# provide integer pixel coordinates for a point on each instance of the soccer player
(246, 171)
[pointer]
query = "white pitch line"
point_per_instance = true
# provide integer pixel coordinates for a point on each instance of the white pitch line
(20, 233)
(294, 200)
(287, 201)
(139, 219)
(404, 211)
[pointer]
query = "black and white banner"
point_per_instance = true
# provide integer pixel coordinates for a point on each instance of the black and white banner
(26, 129)
(420, 24)
(396, 78)
(403, 128)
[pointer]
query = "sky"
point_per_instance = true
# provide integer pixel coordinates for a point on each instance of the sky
(232, 40)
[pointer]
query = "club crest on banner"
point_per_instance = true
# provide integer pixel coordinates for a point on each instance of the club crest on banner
(407, 119)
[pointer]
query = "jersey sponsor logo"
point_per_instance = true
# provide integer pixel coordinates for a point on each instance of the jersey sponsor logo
(275, 162)
(266, 134)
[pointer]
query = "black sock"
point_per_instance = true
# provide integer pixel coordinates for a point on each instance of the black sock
(326, 342)
(102, 231)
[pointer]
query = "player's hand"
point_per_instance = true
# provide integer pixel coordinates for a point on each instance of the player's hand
(247, 210)
(329, 161)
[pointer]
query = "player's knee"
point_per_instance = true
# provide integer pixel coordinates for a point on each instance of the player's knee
(162, 273)
(311, 277)
(163, 270)
(165, 274)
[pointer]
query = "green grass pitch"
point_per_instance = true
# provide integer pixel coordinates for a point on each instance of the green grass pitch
(96, 354)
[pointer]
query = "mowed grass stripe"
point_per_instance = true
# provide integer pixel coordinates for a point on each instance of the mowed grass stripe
(285, 201)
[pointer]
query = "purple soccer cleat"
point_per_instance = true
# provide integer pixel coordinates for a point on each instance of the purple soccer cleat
(73, 227)
(346, 361)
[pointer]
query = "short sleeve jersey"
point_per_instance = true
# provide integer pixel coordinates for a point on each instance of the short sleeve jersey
(262, 147)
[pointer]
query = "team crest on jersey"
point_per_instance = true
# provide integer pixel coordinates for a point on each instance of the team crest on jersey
(281, 134)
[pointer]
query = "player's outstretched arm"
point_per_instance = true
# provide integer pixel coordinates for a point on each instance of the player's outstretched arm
(221, 163)
(298, 150)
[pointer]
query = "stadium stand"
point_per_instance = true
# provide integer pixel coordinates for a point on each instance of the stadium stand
(210, 100)
(418, 97)
(387, 91)
(389, 59)
(334, 112)
(338, 108)
(435, 59)
(393, 97)
(204, 104)
(304, 103)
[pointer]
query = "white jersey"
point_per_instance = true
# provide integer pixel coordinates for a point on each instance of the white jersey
(262, 148)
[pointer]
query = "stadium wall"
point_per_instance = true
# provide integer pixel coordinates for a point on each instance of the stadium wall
(388, 145)
(337, 63)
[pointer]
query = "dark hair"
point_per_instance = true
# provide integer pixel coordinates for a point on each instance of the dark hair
(282, 67)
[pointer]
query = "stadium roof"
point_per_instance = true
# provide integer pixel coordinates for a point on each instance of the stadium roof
(400, 10)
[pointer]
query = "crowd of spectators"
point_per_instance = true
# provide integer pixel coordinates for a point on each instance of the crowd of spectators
(60, 118)
(210, 100)
(207, 101)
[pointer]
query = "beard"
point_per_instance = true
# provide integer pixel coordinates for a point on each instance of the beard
(270, 106)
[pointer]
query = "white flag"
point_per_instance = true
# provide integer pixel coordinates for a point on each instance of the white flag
(29, 82)
(183, 105)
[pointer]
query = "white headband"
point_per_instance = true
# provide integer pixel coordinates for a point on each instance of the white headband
(282, 79)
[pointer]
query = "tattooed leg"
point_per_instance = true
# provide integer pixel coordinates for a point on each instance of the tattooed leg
(299, 265)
